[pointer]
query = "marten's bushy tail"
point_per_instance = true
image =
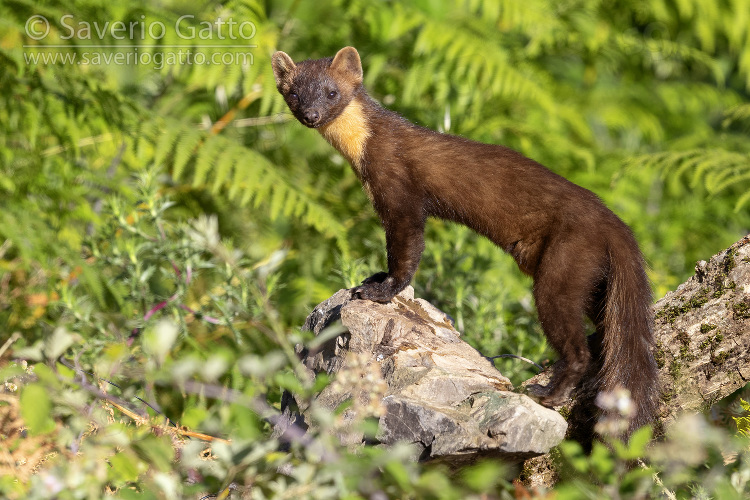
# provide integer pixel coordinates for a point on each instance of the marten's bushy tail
(628, 341)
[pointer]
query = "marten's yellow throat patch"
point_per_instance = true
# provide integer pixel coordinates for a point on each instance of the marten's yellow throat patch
(348, 133)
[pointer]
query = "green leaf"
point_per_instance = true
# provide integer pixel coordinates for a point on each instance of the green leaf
(47, 377)
(328, 333)
(130, 494)
(125, 467)
(636, 445)
(399, 474)
(58, 343)
(262, 366)
(573, 452)
(194, 416)
(159, 339)
(321, 381)
(155, 451)
(289, 382)
(36, 409)
(639, 440)
(484, 476)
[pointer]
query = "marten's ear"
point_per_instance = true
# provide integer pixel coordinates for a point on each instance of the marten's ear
(347, 61)
(282, 65)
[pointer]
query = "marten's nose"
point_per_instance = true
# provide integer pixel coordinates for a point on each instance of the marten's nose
(311, 116)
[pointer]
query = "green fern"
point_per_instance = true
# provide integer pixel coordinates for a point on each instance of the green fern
(743, 423)
(718, 27)
(243, 174)
(739, 113)
(716, 169)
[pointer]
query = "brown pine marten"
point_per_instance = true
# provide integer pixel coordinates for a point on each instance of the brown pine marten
(584, 260)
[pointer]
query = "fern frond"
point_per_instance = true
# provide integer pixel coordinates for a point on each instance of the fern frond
(718, 27)
(727, 177)
(742, 200)
(208, 157)
(185, 149)
(717, 169)
(166, 140)
(738, 113)
(245, 175)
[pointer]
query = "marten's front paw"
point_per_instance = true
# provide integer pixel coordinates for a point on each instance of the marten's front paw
(375, 291)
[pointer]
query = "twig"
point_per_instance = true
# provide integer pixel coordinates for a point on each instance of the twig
(668, 493)
(178, 430)
(4, 247)
(111, 171)
(138, 417)
(9, 343)
(103, 395)
(92, 389)
(293, 433)
(227, 118)
(493, 358)
(261, 120)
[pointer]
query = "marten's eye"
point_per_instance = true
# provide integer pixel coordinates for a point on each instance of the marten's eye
(293, 96)
(332, 94)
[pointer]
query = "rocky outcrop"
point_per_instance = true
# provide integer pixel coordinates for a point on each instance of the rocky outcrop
(405, 364)
(703, 334)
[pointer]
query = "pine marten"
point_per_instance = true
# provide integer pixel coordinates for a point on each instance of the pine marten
(584, 260)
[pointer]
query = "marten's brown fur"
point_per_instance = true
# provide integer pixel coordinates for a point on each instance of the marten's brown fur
(583, 258)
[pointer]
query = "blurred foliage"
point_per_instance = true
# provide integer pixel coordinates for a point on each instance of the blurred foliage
(743, 423)
(162, 196)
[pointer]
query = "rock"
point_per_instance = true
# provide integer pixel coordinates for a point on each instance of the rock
(404, 363)
(702, 334)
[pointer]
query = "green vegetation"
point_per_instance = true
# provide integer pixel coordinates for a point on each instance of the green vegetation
(166, 226)
(707, 327)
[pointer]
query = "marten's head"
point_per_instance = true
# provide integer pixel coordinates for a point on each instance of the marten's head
(318, 90)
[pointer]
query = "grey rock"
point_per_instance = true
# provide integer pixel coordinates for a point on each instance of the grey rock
(435, 390)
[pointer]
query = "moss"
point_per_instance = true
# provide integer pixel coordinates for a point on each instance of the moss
(686, 354)
(718, 359)
(668, 314)
(697, 300)
(683, 337)
(659, 356)
(565, 412)
(671, 313)
(674, 369)
(527, 472)
(726, 266)
(707, 327)
(728, 263)
(668, 395)
(712, 341)
(741, 310)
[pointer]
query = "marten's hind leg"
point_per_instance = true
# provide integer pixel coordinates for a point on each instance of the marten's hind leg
(563, 286)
